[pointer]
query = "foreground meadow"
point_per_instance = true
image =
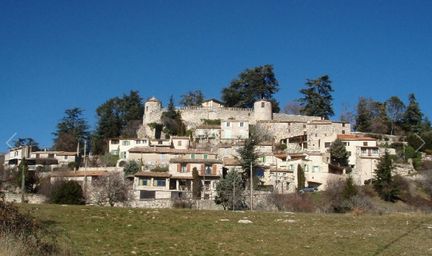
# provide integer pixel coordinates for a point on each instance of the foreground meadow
(130, 231)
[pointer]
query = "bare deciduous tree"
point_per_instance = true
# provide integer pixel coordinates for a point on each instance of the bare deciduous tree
(110, 189)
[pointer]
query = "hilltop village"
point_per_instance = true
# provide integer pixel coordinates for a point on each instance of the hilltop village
(217, 133)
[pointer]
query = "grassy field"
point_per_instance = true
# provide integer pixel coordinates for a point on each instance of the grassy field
(122, 231)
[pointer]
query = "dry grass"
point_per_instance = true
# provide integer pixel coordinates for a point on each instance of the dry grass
(125, 231)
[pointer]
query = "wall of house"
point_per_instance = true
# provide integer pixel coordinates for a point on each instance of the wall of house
(152, 159)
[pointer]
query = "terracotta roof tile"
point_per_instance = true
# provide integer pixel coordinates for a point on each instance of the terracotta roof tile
(354, 137)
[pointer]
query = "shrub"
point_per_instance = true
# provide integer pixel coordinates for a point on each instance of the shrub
(69, 192)
(131, 168)
(159, 169)
(294, 202)
(21, 234)
(182, 204)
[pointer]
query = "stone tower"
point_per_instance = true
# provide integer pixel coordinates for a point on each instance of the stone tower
(152, 110)
(263, 110)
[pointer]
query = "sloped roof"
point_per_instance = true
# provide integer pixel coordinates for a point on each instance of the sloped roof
(354, 137)
(168, 150)
(153, 174)
(78, 173)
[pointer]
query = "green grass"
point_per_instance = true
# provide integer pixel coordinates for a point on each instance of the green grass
(123, 231)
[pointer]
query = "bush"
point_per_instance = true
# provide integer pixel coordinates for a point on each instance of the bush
(159, 169)
(21, 234)
(294, 202)
(182, 204)
(131, 168)
(69, 192)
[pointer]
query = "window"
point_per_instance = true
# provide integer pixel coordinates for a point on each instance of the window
(146, 108)
(159, 142)
(205, 156)
(123, 155)
(349, 153)
(65, 157)
(114, 142)
(208, 170)
(241, 124)
(315, 168)
(159, 182)
(346, 144)
(343, 125)
(37, 155)
(147, 194)
(179, 143)
(343, 131)
(228, 124)
(192, 156)
(138, 142)
(375, 151)
(114, 152)
(50, 155)
(291, 167)
(365, 143)
(144, 141)
(327, 144)
(144, 182)
(183, 168)
(262, 104)
(306, 168)
(126, 143)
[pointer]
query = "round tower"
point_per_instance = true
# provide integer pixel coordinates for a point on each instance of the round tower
(263, 110)
(152, 109)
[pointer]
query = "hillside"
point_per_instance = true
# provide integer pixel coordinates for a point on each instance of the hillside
(126, 231)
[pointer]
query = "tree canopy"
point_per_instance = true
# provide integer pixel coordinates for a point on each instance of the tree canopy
(192, 99)
(413, 117)
(71, 129)
(317, 99)
(338, 153)
(251, 85)
(383, 181)
(172, 122)
(118, 116)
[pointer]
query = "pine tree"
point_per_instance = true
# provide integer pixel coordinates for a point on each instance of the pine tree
(412, 119)
(383, 181)
(71, 130)
(338, 153)
(192, 98)
(249, 156)
(317, 99)
(364, 116)
(301, 179)
(251, 85)
(229, 191)
(171, 120)
(197, 185)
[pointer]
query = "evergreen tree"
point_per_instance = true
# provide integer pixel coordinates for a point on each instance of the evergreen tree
(192, 98)
(172, 122)
(131, 168)
(71, 130)
(317, 98)
(412, 119)
(364, 116)
(383, 181)
(249, 156)
(338, 153)
(118, 116)
(301, 179)
(230, 191)
(349, 190)
(197, 185)
(30, 178)
(252, 85)
(29, 142)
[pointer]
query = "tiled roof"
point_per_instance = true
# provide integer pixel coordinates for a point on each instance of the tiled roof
(78, 173)
(188, 160)
(60, 153)
(354, 137)
(167, 150)
(208, 126)
(231, 162)
(153, 174)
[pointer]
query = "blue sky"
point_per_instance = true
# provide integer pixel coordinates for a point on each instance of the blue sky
(56, 55)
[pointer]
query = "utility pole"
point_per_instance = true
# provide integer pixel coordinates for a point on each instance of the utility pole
(251, 188)
(85, 157)
(23, 165)
(233, 201)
